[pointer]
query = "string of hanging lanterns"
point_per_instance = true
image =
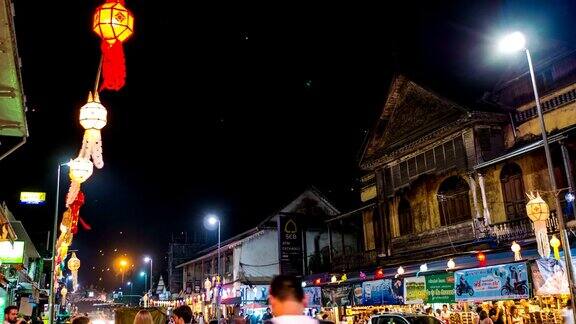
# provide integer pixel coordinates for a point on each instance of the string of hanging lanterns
(114, 24)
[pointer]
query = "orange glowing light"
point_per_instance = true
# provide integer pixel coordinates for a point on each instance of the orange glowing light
(113, 22)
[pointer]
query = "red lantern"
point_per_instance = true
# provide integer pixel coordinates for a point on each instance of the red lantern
(379, 274)
(481, 257)
(114, 24)
(317, 281)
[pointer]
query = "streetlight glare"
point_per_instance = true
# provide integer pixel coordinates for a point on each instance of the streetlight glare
(147, 259)
(129, 283)
(512, 43)
(212, 219)
(142, 274)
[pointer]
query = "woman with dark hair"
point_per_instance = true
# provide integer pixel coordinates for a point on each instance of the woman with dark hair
(484, 319)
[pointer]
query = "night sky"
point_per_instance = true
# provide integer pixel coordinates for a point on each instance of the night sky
(237, 108)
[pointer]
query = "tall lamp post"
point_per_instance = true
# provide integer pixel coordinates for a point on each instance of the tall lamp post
(212, 222)
(130, 285)
(516, 42)
(149, 260)
(143, 274)
(52, 300)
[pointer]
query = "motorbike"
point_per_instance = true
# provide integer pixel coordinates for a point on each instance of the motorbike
(519, 288)
(462, 288)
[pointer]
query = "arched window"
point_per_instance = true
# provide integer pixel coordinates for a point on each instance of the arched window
(513, 191)
(453, 201)
(405, 217)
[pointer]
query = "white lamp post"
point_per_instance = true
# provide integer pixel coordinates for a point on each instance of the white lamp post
(149, 260)
(516, 42)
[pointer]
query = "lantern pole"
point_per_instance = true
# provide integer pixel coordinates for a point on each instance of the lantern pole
(52, 295)
(98, 74)
(559, 214)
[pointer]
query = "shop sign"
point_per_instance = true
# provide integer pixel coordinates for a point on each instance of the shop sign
(32, 198)
(415, 290)
(290, 244)
(440, 288)
(506, 281)
(12, 253)
(382, 292)
(313, 295)
(334, 296)
(549, 277)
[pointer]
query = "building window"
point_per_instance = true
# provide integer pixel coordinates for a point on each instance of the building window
(405, 217)
(453, 201)
(513, 191)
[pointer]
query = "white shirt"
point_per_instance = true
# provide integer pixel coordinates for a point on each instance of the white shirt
(568, 316)
(294, 319)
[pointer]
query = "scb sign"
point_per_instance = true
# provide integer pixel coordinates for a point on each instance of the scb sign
(290, 245)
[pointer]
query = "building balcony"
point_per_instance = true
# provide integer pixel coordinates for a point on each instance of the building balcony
(354, 260)
(435, 238)
(521, 229)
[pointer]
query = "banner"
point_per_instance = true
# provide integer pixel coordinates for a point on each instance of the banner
(290, 254)
(337, 296)
(549, 277)
(440, 288)
(382, 292)
(313, 295)
(506, 281)
(415, 290)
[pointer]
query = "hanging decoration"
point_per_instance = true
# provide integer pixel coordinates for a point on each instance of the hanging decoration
(516, 249)
(451, 264)
(538, 211)
(63, 293)
(74, 265)
(114, 24)
(400, 270)
(555, 244)
(481, 257)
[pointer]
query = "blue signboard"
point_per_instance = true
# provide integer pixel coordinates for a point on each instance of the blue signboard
(506, 281)
(382, 292)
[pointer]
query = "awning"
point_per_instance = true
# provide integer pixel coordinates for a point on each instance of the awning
(526, 149)
(12, 105)
(231, 301)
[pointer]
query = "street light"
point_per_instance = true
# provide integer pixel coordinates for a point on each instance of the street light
(516, 42)
(52, 300)
(143, 274)
(210, 222)
(148, 259)
(129, 284)
(123, 263)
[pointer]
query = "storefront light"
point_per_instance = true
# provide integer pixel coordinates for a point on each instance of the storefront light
(516, 249)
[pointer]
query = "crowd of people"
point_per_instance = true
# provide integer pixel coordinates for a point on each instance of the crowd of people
(288, 304)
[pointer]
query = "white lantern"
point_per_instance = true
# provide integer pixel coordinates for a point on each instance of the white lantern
(333, 279)
(451, 264)
(93, 114)
(400, 270)
(80, 169)
(423, 267)
(516, 249)
(538, 211)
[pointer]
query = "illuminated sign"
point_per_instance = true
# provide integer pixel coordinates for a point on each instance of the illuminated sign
(32, 198)
(12, 253)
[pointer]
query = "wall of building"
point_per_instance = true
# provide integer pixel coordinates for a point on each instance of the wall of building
(259, 256)
(534, 176)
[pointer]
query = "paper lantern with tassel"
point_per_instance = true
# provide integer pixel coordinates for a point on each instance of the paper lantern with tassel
(538, 211)
(74, 265)
(555, 243)
(93, 119)
(114, 24)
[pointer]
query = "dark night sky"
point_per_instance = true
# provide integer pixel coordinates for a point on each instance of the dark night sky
(237, 108)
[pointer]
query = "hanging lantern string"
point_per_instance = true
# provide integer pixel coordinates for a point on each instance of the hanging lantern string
(98, 74)
(550, 192)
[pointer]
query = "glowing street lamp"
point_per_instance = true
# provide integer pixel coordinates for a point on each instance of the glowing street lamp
(210, 222)
(148, 259)
(143, 274)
